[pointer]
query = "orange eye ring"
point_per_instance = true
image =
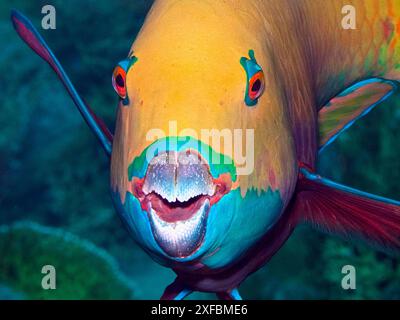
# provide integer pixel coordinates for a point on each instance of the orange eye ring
(256, 85)
(119, 81)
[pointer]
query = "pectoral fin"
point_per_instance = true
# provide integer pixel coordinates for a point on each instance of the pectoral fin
(353, 103)
(348, 212)
(34, 40)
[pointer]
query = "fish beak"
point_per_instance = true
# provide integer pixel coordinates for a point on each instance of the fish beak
(177, 193)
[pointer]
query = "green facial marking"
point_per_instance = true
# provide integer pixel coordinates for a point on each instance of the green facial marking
(382, 58)
(218, 162)
(369, 61)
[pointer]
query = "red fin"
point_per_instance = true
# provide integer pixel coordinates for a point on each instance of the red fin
(34, 40)
(348, 214)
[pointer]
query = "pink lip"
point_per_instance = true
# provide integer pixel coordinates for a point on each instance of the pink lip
(179, 211)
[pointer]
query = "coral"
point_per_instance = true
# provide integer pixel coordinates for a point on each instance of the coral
(83, 271)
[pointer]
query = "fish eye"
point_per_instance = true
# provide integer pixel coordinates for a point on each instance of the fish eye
(255, 79)
(256, 86)
(119, 81)
(119, 77)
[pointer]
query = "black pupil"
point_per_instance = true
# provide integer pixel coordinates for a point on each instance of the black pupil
(120, 81)
(256, 85)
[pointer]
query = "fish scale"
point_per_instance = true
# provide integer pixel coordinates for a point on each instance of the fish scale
(371, 50)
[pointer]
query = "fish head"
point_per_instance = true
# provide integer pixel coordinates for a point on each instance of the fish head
(203, 160)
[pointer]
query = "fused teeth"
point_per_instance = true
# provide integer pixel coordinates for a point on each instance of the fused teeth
(178, 177)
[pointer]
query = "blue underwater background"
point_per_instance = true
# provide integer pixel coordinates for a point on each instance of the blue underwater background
(55, 205)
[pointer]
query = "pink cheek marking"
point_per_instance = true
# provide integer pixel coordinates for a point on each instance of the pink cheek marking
(272, 179)
(388, 29)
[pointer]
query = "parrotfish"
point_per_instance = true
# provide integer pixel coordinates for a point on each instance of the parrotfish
(276, 81)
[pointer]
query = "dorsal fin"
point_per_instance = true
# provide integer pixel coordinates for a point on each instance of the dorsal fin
(350, 105)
